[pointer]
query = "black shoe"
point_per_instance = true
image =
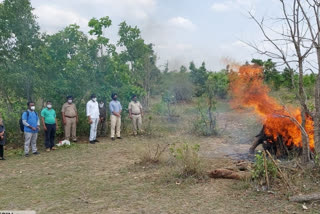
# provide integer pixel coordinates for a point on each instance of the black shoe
(2, 158)
(74, 141)
(119, 138)
(92, 142)
(96, 141)
(36, 153)
(112, 139)
(27, 155)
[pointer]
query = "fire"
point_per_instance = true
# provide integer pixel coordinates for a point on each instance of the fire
(248, 90)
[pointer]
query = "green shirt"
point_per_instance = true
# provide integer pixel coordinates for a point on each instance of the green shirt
(49, 116)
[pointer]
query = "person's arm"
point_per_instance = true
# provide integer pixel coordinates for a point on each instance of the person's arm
(2, 135)
(130, 110)
(112, 109)
(89, 113)
(43, 124)
(42, 119)
(75, 109)
(38, 124)
(141, 110)
(120, 109)
(63, 116)
(57, 125)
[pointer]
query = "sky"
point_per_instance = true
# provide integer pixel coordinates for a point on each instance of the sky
(181, 30)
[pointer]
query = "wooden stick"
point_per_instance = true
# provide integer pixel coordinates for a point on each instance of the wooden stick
(303, 198)
(279, 170)
(266, 169)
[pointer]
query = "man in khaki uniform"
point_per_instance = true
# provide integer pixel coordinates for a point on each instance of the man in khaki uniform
(70, 119)
(136, 114)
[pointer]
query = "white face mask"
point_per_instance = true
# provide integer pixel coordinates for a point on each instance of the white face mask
(70, 101)
(33, 108)
(94, 99)
(101, 105)
(49, 106)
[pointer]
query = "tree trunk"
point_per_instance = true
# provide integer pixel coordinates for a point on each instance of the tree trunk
(302, 99)
(316, 117)
(304, 198)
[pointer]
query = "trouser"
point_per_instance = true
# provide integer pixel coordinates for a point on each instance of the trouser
(93, 129)
(136, 123)
(70, 128)
(115, 125)
(102, 128)
(49, 135)
(1, 151)
(30, 138)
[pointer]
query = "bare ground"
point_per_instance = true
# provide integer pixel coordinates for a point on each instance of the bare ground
(105, 178)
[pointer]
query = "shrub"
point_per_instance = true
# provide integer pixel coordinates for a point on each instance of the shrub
(205, 123)
(152, 154)
(188, 160)
(258, 171)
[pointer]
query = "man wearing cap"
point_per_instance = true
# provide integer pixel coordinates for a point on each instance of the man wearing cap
(93, 118)
(135, 114)
(70, 119)
(115, 111)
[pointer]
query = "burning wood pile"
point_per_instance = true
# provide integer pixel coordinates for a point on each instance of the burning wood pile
(281, 130)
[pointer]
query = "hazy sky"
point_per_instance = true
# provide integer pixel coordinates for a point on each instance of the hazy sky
(181, 30)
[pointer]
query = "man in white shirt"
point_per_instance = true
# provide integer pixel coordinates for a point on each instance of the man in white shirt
(93, 118)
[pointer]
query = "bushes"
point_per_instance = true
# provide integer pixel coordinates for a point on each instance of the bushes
(258, 172)
(188, 160)
(153, 154)
(205, 122)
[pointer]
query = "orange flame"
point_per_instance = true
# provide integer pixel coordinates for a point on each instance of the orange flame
(248, 90)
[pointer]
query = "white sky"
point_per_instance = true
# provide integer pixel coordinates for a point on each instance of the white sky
(181, 30)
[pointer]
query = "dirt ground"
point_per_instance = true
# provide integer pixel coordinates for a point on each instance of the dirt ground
(105, 177)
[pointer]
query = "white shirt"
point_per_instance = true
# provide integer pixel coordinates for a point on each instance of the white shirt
(93, 109)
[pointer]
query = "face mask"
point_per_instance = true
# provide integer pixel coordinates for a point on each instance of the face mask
(49, 106)
(33, 108)
(101, 105)
(115, 98)
(94, 99)
(70, 101)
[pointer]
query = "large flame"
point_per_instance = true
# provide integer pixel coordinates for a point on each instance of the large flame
(248, 90)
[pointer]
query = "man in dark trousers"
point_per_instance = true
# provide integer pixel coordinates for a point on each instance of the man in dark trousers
(102, 127)
(50, 125)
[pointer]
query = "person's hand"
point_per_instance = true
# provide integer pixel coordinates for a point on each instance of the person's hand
(33, 129)
(130, 116)
(2, 137)
(38, 128)
(45, 128)
(90, 121)
(65, 122)
(142, 115)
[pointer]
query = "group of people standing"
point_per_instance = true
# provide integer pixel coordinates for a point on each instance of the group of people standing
(96, 113)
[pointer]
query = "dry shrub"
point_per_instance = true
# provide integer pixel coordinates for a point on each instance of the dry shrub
(188, 160)
(153, 154)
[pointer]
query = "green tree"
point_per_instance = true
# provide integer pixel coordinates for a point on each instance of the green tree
(198, 77)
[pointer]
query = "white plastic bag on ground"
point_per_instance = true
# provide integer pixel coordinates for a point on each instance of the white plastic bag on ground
(64, 142)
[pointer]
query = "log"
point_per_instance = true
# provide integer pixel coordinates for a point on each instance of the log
(305, 198)
(229, 174)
